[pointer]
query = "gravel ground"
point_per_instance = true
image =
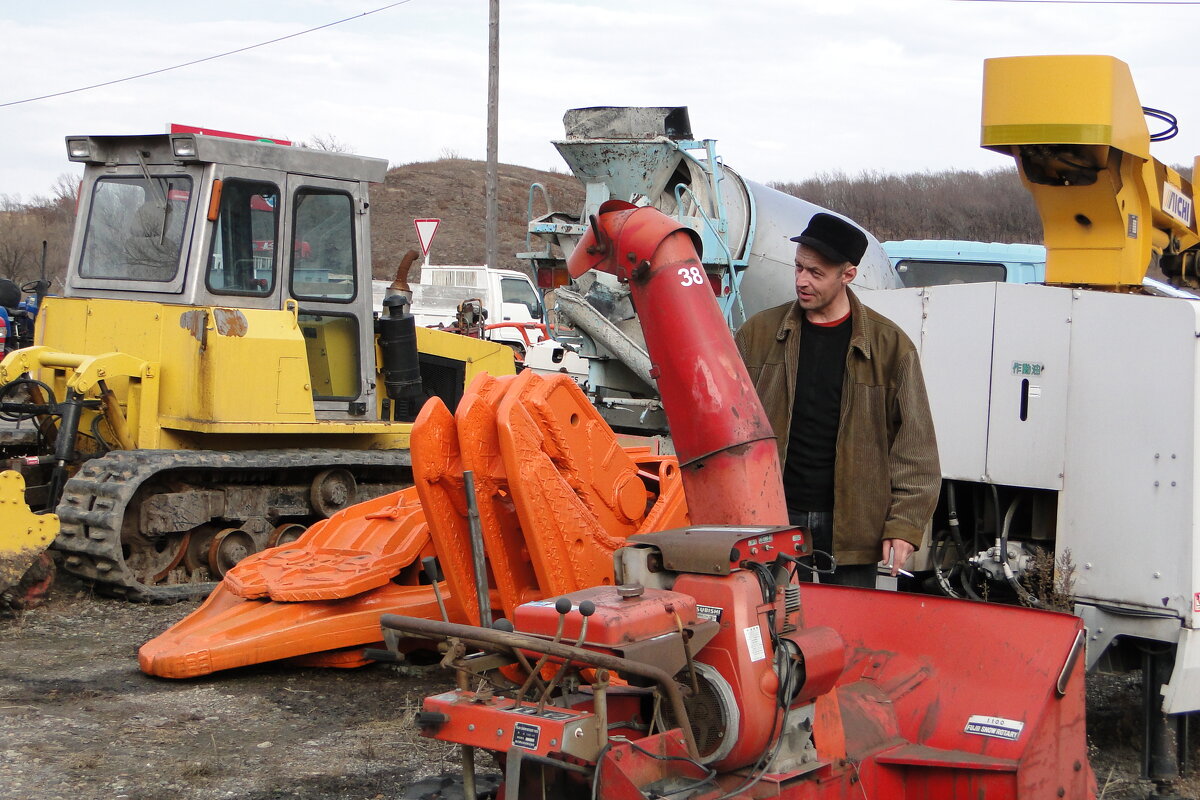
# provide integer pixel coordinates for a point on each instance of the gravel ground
(79, 720)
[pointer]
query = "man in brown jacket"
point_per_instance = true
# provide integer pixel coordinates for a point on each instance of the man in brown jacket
(843, 389)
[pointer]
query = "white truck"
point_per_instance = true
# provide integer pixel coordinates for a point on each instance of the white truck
(501, 305)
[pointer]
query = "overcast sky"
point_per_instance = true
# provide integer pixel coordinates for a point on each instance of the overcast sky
(788, 88)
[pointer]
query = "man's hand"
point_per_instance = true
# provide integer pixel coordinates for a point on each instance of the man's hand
(895, 553)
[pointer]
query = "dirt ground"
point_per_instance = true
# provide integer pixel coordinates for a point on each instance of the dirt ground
(78, 720)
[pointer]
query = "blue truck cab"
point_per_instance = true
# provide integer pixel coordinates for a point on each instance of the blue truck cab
(935, 262)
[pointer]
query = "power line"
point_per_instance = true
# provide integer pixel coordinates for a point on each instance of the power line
(1093, 2)
(206, 58)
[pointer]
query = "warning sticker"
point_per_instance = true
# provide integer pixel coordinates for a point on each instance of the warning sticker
(709, 613)
(1196, 602)
(754, 643)
(526, 735)
(996, 727)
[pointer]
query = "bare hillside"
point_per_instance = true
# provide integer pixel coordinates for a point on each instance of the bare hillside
(453, 190)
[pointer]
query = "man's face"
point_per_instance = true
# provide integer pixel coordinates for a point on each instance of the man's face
(819, 281)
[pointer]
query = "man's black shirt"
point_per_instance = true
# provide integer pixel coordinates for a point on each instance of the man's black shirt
(816, 415)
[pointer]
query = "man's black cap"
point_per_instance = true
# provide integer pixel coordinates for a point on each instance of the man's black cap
(834, 238)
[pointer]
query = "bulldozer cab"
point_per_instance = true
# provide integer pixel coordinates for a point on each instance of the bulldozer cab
(212, 222)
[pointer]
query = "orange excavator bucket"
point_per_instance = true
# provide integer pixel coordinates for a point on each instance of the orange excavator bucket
(555, 494)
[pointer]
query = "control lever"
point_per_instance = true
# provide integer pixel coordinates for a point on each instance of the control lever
(586, 609)
(563, 606)
(478, 556)
(433, 571)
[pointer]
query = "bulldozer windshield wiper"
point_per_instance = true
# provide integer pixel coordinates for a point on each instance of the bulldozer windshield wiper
(158, 193)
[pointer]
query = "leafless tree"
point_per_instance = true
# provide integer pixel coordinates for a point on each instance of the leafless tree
(953, 204)
(25, 225)
(65, 192)
(327, 142)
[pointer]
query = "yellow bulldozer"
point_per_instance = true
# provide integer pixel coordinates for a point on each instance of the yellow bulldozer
(213, 377)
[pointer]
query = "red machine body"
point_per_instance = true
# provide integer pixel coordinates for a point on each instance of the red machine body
(900, 696)
(737, 680)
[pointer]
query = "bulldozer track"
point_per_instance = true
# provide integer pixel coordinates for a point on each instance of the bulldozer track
(96, 501)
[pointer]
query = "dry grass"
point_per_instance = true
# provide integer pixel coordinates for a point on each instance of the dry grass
(1053, 581)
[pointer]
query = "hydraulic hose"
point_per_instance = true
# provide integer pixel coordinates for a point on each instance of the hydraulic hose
(952, 517)
(1023, 593)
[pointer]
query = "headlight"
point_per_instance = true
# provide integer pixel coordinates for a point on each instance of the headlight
(79, 149)
(184, 147)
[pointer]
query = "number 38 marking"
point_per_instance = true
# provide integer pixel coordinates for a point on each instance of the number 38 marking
(690, 276)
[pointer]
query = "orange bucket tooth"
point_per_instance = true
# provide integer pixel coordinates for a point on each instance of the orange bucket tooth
(228, 631)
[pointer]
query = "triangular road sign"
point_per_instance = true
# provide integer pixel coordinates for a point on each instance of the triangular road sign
(426, 228)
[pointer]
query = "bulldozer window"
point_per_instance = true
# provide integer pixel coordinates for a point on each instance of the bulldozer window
(331, 341)
(242, 257)
(135, 228)
(323, 252)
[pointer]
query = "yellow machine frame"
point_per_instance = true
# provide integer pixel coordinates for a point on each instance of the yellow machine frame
(262, 385)
(1079, 135)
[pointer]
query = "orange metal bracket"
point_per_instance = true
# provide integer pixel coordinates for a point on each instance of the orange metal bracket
(503, 536)
(437, 474)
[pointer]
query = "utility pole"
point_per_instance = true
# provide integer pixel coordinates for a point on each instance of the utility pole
(491, 237)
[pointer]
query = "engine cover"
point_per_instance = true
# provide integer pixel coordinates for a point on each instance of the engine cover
(743, 656)
(629, 621)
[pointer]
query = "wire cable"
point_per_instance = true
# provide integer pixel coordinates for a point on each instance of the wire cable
(709, 773)
(202, 60)
(1093, 2)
